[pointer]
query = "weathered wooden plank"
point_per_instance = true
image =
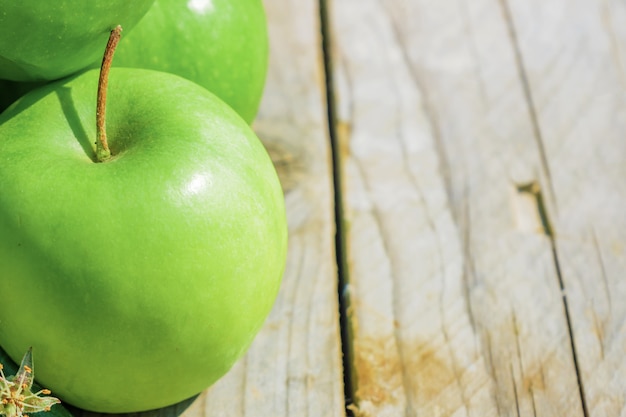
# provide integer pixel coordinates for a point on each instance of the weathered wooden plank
(455, 297)
(294, 366)
(573, 55)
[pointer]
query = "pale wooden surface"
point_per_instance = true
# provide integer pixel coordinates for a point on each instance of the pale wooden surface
(578, 83)
(483, 158)
(479, 136)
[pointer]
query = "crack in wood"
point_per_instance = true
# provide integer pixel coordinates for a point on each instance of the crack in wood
(469, 269)
(515, 391)
(492, 371)
(534, 189)
(288, 382)
(605, 280)
(570, 328)
(448, 342)
(340, 233)
(599, 331)
(429, 111)
(528, 96)
(518, 346)
(532, 397)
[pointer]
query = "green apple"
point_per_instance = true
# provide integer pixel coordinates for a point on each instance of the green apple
(50, 39)
(219, 44)
(138, 281)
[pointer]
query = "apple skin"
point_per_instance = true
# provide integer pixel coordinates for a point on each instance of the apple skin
(47, 40)
(138, 281)
(219, 44)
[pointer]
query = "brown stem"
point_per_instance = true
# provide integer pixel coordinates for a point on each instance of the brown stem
(102, 147)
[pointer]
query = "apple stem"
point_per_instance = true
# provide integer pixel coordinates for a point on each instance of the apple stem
(102, 147)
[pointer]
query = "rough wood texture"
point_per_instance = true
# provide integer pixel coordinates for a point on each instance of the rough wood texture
(471, 140)
(573, 55)
(294, 366)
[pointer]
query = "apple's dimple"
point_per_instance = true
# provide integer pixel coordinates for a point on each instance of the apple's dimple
(164, 260)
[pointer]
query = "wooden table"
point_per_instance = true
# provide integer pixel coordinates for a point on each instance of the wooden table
(455, 178)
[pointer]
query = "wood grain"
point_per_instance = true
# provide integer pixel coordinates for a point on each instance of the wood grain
(573, 55)
(455, 293)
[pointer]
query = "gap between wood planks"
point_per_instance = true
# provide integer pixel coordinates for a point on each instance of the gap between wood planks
(340, 230)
